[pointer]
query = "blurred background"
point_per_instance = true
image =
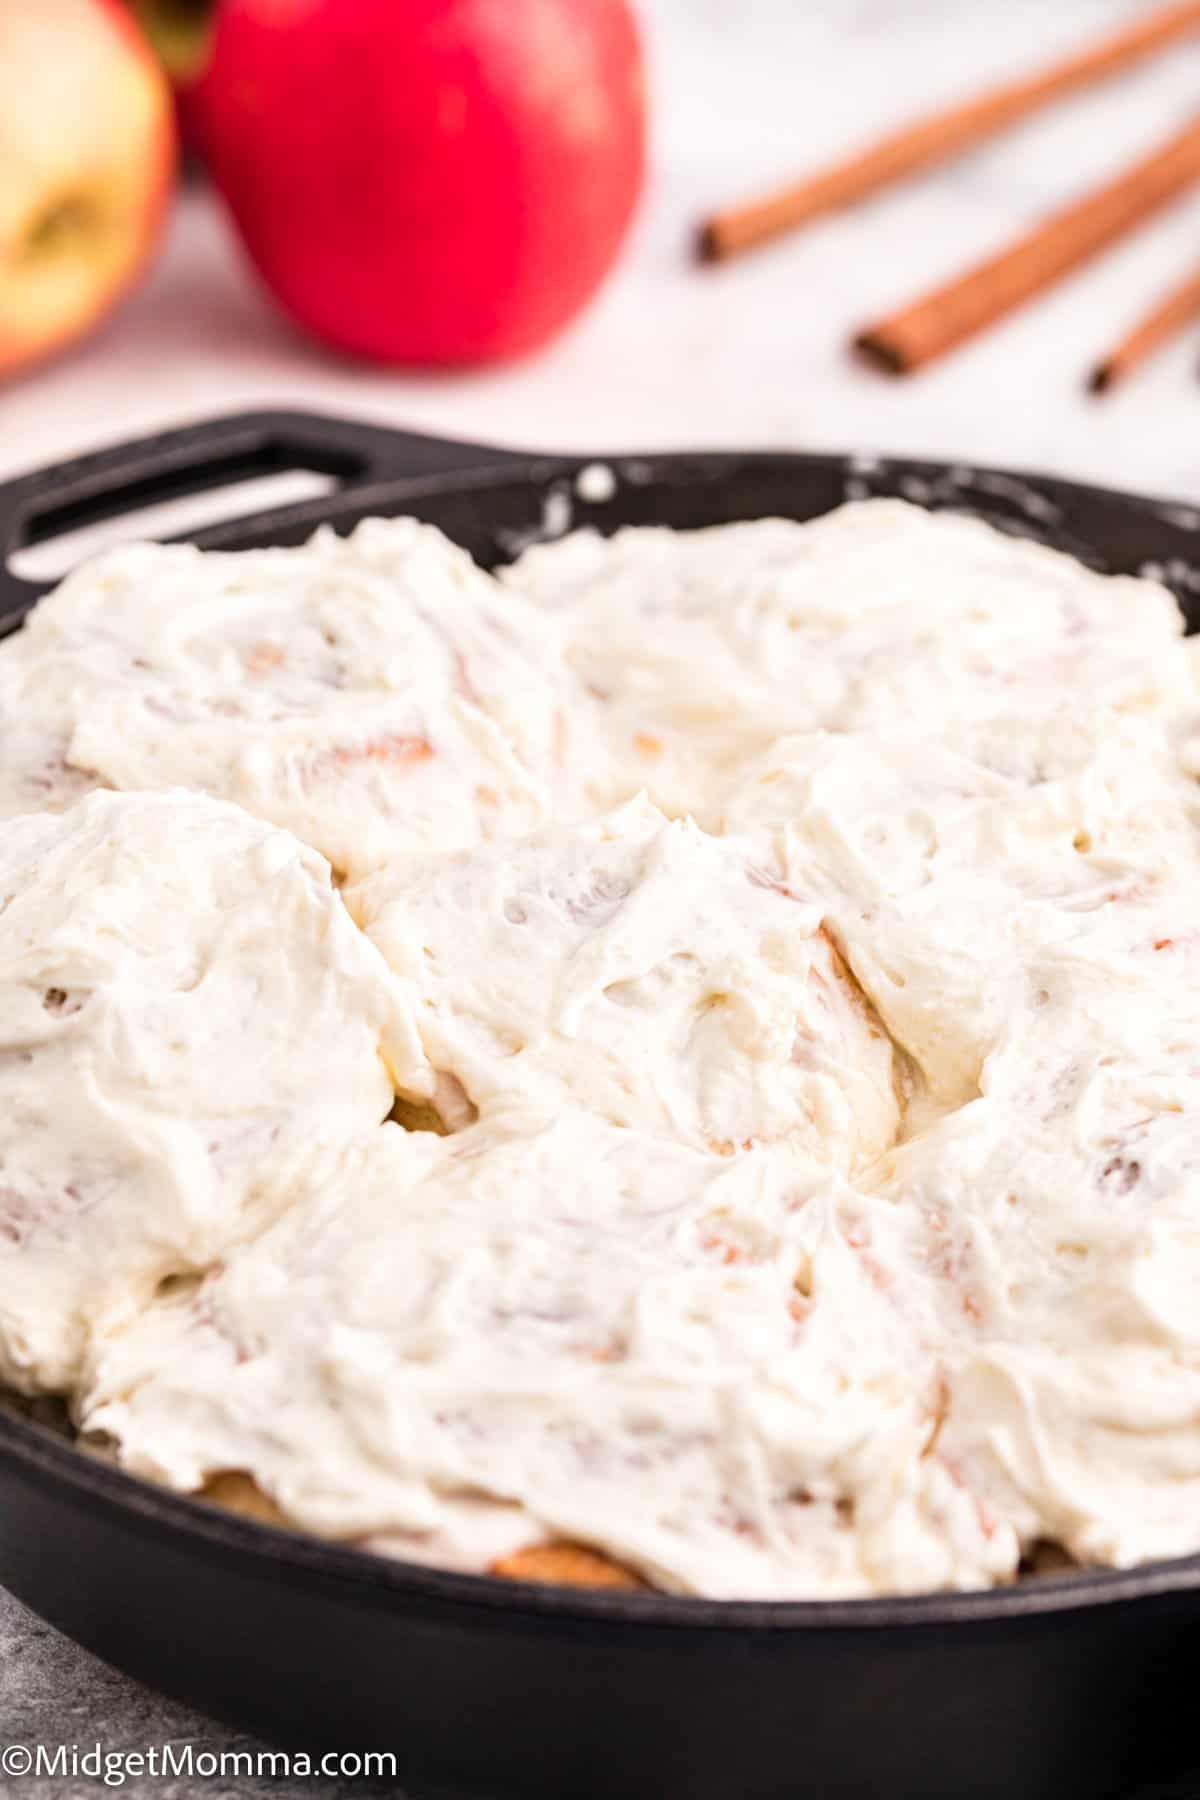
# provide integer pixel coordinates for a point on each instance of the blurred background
(668, 352)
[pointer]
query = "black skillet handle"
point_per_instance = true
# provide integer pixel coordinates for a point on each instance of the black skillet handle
(173, 464)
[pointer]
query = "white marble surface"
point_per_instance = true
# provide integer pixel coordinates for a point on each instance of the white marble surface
(748, 91)
(754, 353)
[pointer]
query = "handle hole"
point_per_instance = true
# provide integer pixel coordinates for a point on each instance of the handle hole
(178, 497)
(52, 554)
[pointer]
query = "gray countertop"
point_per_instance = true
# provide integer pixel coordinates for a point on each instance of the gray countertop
(52, 1693)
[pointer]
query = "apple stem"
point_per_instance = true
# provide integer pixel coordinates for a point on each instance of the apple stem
(178, 32)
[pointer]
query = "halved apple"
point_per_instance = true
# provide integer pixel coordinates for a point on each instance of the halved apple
(87, 162)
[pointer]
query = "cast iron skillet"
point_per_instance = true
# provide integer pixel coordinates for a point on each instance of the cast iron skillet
(1069, 1686)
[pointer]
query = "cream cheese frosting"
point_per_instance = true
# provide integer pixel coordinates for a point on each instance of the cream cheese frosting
(820, 1210)
(373, 695)
(654, 974)
(702, 647)
(37, 698)
(612, 1336)
(942, 857)
(185, 1008)
(1061, 1210)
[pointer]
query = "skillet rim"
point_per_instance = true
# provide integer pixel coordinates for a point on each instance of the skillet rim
(379, 1579)
(37, 1454)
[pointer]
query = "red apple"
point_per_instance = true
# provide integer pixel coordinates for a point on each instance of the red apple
(427, 181)
(87, 157)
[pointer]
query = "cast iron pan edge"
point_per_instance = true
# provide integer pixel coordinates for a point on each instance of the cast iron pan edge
(74, 1532)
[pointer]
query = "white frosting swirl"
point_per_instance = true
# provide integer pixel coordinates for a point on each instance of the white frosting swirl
(373, 695)
(610, 1335)
(185, 1008)
(654, 974)
(702, 647)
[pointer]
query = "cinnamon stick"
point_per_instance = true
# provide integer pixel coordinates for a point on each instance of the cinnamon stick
(939, 320)
(1175, 310)
(934, 140)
